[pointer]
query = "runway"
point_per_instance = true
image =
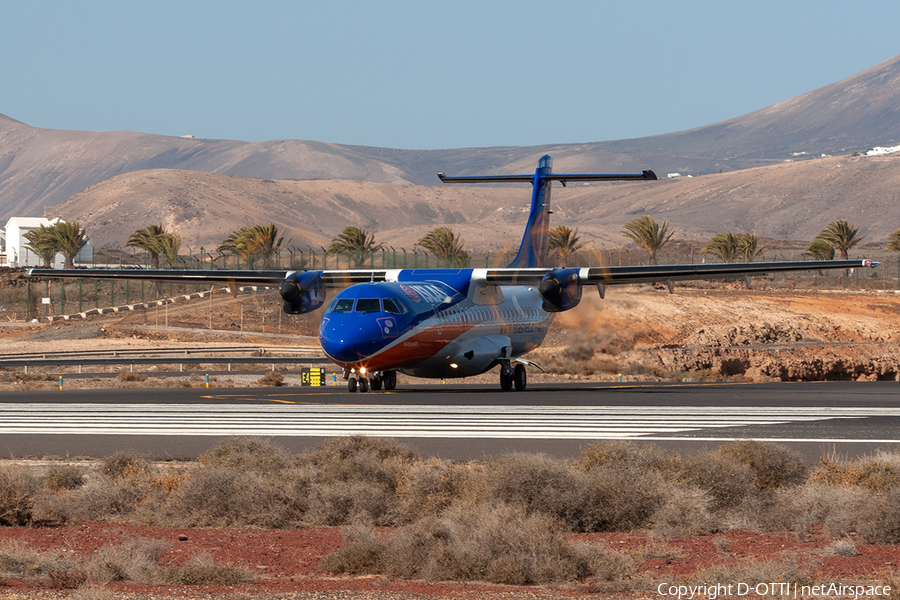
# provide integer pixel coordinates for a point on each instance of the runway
(456, 421)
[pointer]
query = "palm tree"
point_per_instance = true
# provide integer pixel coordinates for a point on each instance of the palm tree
(748, 245)
(648, 234)
(893, 244)
(820, 250)
(564, 243)
(157, 242)
(445, 244)
(70, 238)
(260, 240)
(356, 242)
(842, 235)
(41, 242)
(722, 245)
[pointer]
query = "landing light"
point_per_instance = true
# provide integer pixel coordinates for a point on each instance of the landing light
(362, 370)
(454, 365)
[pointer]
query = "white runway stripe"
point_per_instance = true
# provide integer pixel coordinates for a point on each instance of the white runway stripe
(323, 420)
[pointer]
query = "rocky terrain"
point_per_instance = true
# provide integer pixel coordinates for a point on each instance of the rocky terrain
(757, 335)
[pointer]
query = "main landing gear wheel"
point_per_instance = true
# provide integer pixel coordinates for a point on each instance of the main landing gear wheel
(506, 378)
(520, 378)
(390, 380)
(376, 383)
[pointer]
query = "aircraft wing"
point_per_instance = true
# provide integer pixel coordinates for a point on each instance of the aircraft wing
(664, 273)
(332, 279)
(502, 276)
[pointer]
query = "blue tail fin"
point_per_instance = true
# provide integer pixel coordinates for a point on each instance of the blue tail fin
(536, 240)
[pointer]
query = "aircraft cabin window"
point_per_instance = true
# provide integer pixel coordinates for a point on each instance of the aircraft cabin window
(367, 305)
(390, 307)
(342, 305)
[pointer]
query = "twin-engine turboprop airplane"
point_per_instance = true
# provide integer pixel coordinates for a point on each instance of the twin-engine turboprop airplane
(443, 323)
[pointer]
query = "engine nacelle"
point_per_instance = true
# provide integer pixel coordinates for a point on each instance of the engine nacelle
(560, 289)
(302, 292)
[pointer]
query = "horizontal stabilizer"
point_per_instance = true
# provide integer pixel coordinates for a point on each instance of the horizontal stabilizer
(561, 177)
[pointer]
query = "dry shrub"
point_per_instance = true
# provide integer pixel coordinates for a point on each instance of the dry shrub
(877, 473)
(500, 544)
(624, 484)
(98, 499)
(837, 509)
(220, 497)
(612, 495)
(271, 379)
(135, 561)
(773, 464)
(685, 511)
(167, 481)
(66, 580)
(782, 570)
(611, 566)
(64, 477)
(123, 464)
(19, 560)
(93, 592)
(727, 481)
(540, 484)
(344, 503)
(880, 519)
(627, 454)
(377, 461)
(17, 491)
(361, 553)
(845, 547)
(428, 487)
(202, 570)
(129, 377)
(247, 454)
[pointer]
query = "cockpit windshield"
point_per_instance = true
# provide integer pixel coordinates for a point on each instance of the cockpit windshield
(341, 305)
(392, 306)
(367, 305)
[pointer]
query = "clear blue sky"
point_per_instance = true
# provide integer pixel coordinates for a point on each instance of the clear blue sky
(423, 74)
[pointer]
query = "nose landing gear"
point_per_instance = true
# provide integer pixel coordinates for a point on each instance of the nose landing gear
(361, 383)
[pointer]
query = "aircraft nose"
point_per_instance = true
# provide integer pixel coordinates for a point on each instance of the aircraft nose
(349, 340)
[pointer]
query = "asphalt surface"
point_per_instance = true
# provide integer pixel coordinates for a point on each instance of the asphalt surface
(456, 420)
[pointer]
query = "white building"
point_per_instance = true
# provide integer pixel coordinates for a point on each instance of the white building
(17, 255)
(882, 150)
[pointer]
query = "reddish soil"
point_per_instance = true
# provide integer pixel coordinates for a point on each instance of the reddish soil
(288, 561)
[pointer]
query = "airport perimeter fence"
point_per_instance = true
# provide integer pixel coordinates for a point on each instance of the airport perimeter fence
(42, 298)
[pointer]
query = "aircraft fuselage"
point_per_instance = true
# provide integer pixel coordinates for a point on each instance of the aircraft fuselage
(430, 323)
